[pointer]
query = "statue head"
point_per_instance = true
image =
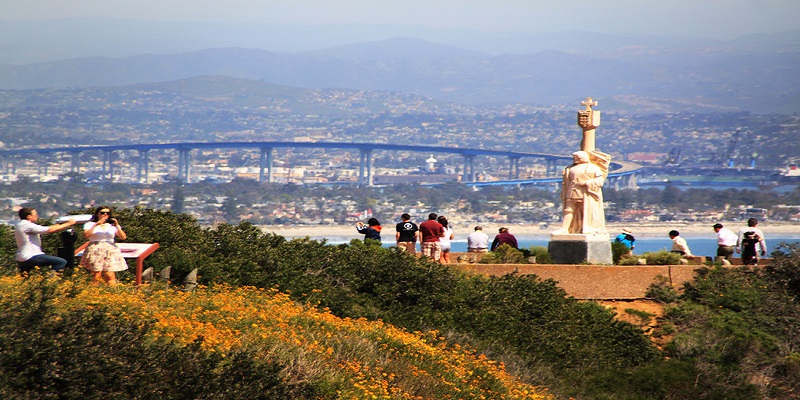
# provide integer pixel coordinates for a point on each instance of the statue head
(580, 157)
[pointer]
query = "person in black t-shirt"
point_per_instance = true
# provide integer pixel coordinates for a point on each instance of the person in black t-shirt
(407, 234)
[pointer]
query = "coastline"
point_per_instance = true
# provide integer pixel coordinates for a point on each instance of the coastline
(641, 230)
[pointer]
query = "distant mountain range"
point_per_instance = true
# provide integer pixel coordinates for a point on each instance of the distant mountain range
(636, 75)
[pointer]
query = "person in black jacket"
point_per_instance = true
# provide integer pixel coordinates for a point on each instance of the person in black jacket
(372, 230)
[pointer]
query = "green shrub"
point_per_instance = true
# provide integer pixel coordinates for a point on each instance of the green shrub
(8, 247)
(643, 317)
(663, 329)
(785, 267)
(541, 254)
(661, 257)
(661, 290)
(735, 325)
(618, 251)
(504, 254)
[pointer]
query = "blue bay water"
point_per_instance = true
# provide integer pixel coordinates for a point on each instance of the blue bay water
(701, 246)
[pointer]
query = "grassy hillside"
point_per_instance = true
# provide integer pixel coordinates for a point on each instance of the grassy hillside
(305, 319)
(307, 353)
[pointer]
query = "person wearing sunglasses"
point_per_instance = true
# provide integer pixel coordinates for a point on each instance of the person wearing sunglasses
(102, 258)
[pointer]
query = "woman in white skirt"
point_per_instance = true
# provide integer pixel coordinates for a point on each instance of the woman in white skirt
(445, 240)
(102, 258)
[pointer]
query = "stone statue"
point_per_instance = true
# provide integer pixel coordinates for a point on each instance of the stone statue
(582, 196)
(582, 237)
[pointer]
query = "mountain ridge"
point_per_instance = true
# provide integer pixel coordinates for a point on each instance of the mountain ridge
(703, 79)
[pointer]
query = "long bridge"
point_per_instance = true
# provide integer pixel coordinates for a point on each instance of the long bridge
(621, 174)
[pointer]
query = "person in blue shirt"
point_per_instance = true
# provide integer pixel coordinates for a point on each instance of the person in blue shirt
(627, 239)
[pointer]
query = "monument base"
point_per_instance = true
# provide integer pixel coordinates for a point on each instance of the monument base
(578, 248)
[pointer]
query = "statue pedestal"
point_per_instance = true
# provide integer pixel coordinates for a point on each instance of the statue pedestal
(579, 248)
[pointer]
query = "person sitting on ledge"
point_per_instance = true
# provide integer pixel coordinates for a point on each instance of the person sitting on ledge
(29, 242)
(679, 244)
(478, 242)
(503, 237)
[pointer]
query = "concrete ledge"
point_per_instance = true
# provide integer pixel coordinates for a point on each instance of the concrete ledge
(593, 282)
(470, 257)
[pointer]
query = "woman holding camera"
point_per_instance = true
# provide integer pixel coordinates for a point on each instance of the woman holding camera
(372, 230)
(102, 258)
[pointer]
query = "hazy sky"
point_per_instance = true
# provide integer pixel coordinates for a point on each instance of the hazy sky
(702, 18)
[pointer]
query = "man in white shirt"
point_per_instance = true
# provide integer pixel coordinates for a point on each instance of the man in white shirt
(679, 244)
(726, 241)
(29, 243)
(751, 227)
(478, 242)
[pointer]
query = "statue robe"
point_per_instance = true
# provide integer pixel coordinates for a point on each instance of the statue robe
(582, 191)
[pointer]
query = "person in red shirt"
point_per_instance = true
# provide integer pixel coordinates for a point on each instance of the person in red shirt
(431, 231)
(503, 237)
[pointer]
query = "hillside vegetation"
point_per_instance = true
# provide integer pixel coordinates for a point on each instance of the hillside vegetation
(221, 343)
(734, 332)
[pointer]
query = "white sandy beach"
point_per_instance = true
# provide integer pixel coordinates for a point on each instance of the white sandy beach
(640, 230)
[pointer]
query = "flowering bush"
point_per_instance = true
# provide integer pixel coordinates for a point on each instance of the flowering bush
(68, 339)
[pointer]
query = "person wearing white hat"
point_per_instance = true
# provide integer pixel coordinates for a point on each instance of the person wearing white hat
(626, 238)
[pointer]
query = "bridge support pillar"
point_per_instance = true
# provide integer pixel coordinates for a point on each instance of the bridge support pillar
(108, 166)
(265, 163)
(365, 165)
(183, 165)
(513, 167)
(631, 182)
(469, 168)
(75, 162)
(44, 159)
(552, 167)
(143, 165)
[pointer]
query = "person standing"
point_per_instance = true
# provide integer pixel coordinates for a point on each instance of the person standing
(679, 244)
(430, 231)
(726, 241)
(626, 238)
(102, 258)
(445, 240)
(503, 237)
(371, 231)
(478, 242)
(749, 253)
(751, 227)
(29, 242)
(407, 234)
